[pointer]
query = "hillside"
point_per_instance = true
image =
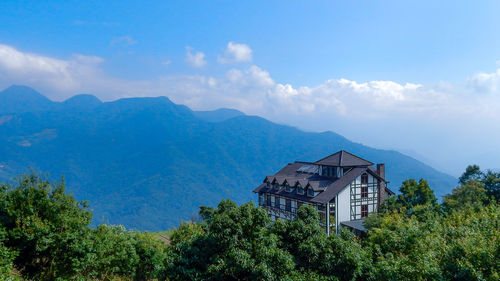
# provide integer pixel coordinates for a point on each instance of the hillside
(148, 163)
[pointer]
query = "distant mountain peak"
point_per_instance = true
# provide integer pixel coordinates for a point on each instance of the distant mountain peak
(18, 98)
(218, 115)
(21, 90)
(83, 101)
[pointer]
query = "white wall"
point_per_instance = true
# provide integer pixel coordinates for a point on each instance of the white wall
(343, 205)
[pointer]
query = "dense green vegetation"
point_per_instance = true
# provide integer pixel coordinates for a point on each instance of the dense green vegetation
(147, 163)
(45, 235)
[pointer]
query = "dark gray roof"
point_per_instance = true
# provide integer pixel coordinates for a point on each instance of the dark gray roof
(338, 185)
(343, 159)
(291, 168)
(292, 177)
(357, 224)
(260, 188)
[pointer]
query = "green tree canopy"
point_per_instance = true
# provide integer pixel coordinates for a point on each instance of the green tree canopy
(46, 227)
(489, 178)
(472, 172)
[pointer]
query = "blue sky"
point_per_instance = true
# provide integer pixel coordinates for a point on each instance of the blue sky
(423, 72)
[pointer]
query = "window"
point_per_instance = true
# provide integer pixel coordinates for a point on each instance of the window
(310, 192)
(268, 199)
(364, 211)
(288, 206)
(277, 202)
(364, 191)
(268, 185)
(328, 171)
(261, 199)
(300, 190)
(276, 186)
(364, 178)
(288, 188)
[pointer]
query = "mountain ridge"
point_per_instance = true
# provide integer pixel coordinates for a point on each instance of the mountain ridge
(147, 163)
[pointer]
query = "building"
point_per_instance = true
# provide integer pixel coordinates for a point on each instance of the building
(342, 187)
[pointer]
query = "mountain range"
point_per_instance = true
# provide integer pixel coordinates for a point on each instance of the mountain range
(148, 163)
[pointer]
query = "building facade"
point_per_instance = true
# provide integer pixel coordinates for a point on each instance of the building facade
(342, 187)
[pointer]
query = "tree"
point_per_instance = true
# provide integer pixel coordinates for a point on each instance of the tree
(114, 251)
(236, 245)
(302, 237)
(472, 194)
(337, 256)
(413, 194)
(471, 250)
(472, 172)
(6, 258)
(490, 180)
(404, 248)
(46, 227)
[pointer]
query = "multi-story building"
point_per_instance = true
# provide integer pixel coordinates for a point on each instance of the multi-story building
(342, 187)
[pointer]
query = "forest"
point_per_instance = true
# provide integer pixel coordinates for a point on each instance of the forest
(46, 234)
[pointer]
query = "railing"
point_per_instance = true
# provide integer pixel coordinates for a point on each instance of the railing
(281, 208)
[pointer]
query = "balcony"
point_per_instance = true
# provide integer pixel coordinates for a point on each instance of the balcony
(281, 210)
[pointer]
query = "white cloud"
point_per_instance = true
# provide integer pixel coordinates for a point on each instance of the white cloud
(432, 118)
(485, 82)
(166, 62)
(26, 68)
(236, 52)
(195, 59)
(123, 40)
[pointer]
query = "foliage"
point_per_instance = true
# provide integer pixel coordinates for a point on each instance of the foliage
(415, 194)
(489, 178)
(472, 172)
(45, 235)
(459, 243)
(236, 245)
(472, 194)
(46, 227)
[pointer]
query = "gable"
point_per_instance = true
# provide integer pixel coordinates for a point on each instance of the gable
(343, 159)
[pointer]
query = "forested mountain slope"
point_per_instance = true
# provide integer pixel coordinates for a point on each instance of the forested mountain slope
(148, 163)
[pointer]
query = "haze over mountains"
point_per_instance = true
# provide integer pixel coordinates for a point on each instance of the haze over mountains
(148, 163)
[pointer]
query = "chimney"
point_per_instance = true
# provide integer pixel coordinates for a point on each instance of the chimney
(381, 170)
(381, 185)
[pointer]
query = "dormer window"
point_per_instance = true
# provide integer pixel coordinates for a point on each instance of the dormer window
(288, 188)
(329, 171)
(364, 178)
(310, 192)
(300, 190)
